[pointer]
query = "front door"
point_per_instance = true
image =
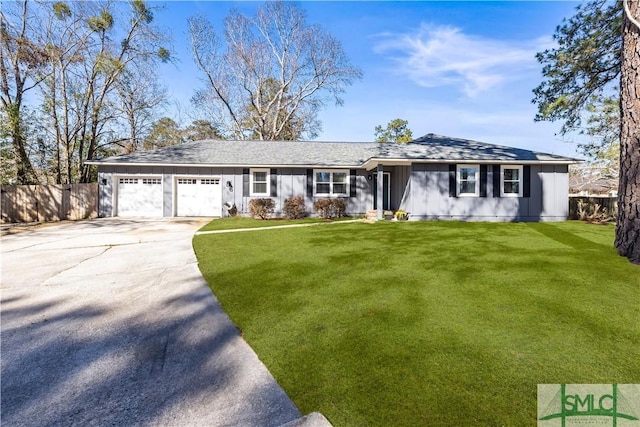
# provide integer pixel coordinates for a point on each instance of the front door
(386, 191)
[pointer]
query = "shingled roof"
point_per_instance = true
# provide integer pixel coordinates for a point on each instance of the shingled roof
(429, 148)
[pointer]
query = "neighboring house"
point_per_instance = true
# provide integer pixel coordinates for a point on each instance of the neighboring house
(598, 187)
(433, 177)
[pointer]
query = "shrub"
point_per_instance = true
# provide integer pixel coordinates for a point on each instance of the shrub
(330, 208)
(294, 208)
(593, 213)
(401, 215)
(261, 208)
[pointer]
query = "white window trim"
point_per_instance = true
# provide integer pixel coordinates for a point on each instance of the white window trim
(458, 180)
(520, 181)
(267, 193)
(331, 193)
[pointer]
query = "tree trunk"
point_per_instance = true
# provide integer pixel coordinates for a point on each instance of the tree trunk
(24, 173)
(628, 225)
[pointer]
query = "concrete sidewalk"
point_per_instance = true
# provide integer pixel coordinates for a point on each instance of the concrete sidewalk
(109, 322)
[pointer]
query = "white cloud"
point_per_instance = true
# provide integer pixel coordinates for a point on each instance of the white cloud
(435, 56)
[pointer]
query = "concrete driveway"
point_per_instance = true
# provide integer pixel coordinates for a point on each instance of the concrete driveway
(109, 322)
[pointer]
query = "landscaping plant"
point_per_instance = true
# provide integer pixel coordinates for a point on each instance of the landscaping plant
(261, 208)
(330, 208)
(294, 208)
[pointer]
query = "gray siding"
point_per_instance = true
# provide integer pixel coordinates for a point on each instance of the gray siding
(400, 176)
(363, 200)
(430, 198)
(105, 193)
(422, 190)
(290, 182)
(555, 204)
(400, 179)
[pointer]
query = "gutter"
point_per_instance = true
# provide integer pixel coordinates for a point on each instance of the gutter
(222, 165)
(367, 165)
(373, 163)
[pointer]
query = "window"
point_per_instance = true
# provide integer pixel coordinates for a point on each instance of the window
(187, 181)
(128, 180)
(214, 181)
(152, 181)
(511, 181)
(259, 182)
(468, 180)
(331, 183)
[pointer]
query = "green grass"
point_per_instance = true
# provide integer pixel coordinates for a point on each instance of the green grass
(239, 222)
(430, 323)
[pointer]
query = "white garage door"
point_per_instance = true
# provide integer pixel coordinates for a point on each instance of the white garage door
(139, 196)
(198, 197)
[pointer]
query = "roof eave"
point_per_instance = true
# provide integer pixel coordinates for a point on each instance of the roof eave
(368, 164)
(222, 165)
(374, 162)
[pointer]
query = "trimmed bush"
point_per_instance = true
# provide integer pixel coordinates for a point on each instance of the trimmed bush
(261, 208)
(294, 208)
(330, 208)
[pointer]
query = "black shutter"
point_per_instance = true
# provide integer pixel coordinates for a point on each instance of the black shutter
(496, 180)
(526, 181)
(483, 180)
(274, 182)
(309, 182)
(352, 182)
(245, 183)
(452, 181)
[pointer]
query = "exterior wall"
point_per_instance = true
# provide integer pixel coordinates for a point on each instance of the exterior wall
(422, 190)
(400, 178)
(555, 203)
(107, 182)
(290, 182)
(105, 192)
(548, 200)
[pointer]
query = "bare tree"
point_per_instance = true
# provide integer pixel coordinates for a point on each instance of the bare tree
(67, 38)
(20, 58)
(93, 48)
(140, 99)
(274, 75)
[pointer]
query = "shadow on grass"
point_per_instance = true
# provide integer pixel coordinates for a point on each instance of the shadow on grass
(565, 237)
(396, 324)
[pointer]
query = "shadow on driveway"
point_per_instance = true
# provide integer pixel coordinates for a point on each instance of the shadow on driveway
(123, 333)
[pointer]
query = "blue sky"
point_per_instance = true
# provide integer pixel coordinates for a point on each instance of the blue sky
(461, 69)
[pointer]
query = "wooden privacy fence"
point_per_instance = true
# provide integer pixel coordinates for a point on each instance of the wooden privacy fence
(608, 203)
(55, 202)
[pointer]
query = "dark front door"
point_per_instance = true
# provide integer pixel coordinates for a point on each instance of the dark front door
(386, 190)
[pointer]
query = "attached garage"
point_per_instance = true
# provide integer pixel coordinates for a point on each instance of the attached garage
(198, 196)
(139, 196)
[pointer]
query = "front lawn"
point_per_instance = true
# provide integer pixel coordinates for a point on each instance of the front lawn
(239, 222)
(430, 323)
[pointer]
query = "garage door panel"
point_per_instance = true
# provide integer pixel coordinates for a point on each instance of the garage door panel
(139, 196)
(198, 197)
